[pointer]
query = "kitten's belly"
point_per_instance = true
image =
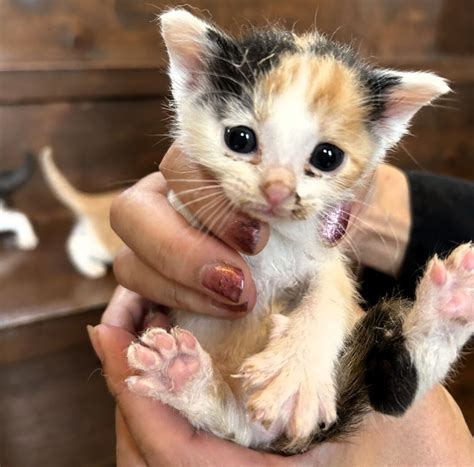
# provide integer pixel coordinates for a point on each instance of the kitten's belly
(229, 343)
(280, 283)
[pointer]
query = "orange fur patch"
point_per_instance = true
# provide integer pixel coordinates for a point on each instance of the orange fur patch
(336, 99)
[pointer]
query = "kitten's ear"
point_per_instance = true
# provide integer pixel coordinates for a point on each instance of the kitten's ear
(187, 41)
(404, 95)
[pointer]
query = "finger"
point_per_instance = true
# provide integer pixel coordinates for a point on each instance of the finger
(157, 429)
(126, 310)
(196, 188)
(163, 239)
(134, 274)
(127, 452)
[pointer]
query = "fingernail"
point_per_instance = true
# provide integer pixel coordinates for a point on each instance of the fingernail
(94, 341)
(335, 222)
(233, 308)
(225, 280)
(245, 234)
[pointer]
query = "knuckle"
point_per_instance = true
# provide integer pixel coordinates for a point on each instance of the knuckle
(167, 253)
(177, 297)
(117, 208)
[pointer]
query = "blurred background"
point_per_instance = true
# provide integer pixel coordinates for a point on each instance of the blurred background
(88, 78)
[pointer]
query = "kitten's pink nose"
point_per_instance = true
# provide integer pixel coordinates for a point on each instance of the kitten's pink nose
(278, 185)
(277, 193)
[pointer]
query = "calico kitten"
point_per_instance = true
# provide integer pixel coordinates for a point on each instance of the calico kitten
(92, 245)
(14, 221)
(291, 126)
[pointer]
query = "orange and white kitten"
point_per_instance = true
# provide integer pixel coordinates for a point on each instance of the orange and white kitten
(291, 126)
(92, 245)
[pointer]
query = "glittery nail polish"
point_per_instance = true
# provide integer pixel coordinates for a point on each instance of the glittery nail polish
(335, 222)
(245, 233)
(226, 281)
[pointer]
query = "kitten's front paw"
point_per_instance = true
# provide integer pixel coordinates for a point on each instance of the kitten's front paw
(168, 364)
(287, 391)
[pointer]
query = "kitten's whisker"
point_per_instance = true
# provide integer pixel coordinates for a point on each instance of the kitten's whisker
(354, 248)
(222, 219)
(193, 180)
(193, 190)
(405, 150)
(198, 200)
(199, 214)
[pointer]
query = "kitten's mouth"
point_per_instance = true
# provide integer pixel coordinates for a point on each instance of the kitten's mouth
(269, 213)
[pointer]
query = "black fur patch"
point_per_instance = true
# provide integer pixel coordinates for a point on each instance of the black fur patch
(341, 52)
(378, 84)
(12, 180)
(391, 376)
(235, 64)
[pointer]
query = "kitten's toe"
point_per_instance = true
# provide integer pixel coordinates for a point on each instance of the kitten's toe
(167, 362)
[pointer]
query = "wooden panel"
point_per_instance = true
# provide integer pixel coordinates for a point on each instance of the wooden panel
(99, 146)
(442, 140)
(56, 411)
(42, 284)
(33, 87)
(23, 87)
(45, 337)
(73, 34)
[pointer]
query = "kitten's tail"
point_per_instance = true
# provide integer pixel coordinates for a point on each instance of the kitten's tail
(64, 191)
(11, 180)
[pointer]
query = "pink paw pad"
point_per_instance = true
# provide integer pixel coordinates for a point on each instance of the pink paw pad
(166, 362)
(453, 280)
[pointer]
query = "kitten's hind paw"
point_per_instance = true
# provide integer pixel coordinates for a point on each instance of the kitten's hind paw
(446, 292)
(169, 364)
(442, 318)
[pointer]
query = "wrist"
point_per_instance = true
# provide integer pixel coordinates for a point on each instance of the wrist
(380, 231)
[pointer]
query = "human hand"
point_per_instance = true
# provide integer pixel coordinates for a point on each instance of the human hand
(433, 432)
(167, 260)
(380, 225)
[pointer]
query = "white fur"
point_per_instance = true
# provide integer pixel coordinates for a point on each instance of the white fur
(89, 256)
(17, 223)
(416, 90)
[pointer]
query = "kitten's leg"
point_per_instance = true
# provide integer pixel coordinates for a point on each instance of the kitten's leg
(86, 252)
(414, 353)
(442, 318)
(175, 370)
(18, 223)
(292, 381)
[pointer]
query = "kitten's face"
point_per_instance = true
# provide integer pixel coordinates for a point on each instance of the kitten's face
(288, 125)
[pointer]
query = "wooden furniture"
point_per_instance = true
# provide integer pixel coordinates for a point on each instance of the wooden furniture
(88, 77)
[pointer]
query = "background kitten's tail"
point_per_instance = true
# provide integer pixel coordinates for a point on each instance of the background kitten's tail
(11, 180)
(58, 183)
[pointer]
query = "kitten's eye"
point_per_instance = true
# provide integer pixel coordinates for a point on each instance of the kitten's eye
(240, 139)
(326, 157)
